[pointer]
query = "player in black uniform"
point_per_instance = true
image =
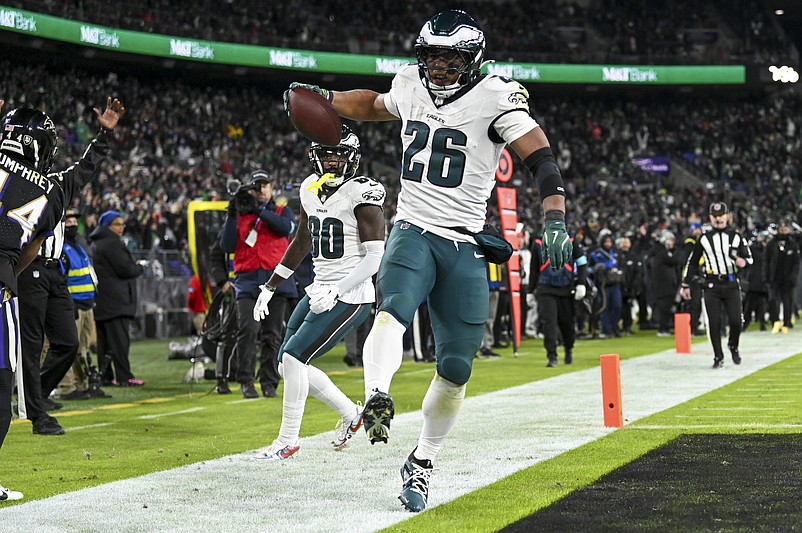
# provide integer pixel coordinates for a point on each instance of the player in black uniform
(46, 307)
(724, 251)
(31, 208)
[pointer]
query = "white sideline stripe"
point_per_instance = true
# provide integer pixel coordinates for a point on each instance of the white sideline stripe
(172, 413)
(355, 490)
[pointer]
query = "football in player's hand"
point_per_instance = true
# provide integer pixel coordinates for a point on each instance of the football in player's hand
(314, 117)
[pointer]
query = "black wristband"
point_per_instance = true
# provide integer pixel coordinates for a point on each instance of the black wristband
(555, 214)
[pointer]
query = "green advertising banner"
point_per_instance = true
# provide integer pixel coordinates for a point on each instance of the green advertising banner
(132, 42)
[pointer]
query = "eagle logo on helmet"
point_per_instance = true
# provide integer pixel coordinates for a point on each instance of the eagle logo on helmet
(347, 155)
(455, 30)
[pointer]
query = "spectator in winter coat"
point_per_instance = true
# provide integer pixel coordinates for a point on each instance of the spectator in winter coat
(782, 267)
(757, 291)
(665, 281)
(116, 301)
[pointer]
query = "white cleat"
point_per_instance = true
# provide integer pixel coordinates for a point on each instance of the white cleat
(278, 451)
(346, 429)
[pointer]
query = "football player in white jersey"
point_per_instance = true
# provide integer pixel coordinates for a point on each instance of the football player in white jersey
(454, 124)
(342, 223)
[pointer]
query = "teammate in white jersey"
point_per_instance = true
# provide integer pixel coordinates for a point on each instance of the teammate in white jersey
(342, 223)
(454, 124)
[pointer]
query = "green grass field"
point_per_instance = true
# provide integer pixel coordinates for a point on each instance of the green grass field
(165, 425)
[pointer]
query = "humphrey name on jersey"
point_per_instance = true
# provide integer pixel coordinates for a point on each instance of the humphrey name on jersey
(23, 171)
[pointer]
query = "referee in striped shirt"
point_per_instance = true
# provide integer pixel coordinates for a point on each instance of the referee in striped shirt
(724, 252)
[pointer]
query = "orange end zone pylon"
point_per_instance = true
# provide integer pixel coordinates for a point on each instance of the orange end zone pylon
(611, 390)
(682, 332)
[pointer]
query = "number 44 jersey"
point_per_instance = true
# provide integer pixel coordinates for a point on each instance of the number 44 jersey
(336, 246)
(30, 206)
(452, 149)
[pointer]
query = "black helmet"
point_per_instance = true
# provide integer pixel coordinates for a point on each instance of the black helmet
(455, 30)
(348, 151)
(29, 135)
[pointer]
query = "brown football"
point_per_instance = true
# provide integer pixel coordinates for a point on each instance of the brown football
(314, 117)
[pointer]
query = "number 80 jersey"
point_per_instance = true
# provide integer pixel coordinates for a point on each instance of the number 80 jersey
(336, 246)
(451, 151)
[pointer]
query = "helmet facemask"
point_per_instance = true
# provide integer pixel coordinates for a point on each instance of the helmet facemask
(457, 40)
(341, 162)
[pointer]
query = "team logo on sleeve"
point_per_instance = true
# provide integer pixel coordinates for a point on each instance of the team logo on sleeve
(373, 195)
(520, 97)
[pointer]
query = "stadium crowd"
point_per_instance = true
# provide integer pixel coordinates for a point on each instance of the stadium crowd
(182, 142)
(706, 32)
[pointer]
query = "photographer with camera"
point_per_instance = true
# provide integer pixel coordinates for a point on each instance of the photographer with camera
(258, 231)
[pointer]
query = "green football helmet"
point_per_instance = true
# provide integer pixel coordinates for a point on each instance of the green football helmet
(347, 154)
(456, 31)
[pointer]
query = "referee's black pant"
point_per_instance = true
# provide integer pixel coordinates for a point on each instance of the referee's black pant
(45, 308)
(726, 294)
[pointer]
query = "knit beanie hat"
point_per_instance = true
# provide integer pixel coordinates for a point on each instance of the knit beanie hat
(108, 217)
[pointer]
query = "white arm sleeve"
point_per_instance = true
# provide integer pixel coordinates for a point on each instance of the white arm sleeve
(365, 268)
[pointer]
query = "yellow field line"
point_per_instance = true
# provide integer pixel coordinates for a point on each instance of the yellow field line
(114, 406)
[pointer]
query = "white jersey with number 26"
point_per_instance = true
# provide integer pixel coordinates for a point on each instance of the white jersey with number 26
(336, 246)
(451, 152)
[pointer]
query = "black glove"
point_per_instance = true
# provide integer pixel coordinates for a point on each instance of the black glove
(232, 208)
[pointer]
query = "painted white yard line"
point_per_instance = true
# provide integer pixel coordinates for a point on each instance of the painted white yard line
(741, 397)
(773, 390)
(355, 490)
(756, 401)
(721, 416)
(90, 426)
(244, 400)
(720, 426)
(172, 413)
(738, 409)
